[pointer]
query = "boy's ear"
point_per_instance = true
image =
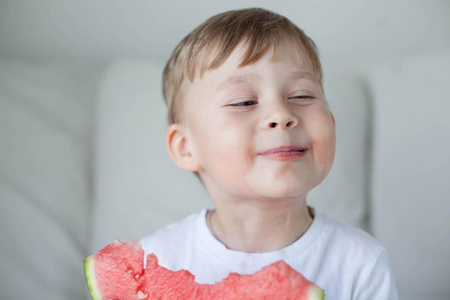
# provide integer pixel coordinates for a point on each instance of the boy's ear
(178, 147)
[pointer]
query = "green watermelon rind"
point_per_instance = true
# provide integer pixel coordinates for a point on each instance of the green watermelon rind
(316, 293)
(89, 272)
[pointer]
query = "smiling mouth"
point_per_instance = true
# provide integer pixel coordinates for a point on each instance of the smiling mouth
(285, 153)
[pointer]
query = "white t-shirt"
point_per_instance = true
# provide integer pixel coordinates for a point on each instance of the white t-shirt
(346, 262)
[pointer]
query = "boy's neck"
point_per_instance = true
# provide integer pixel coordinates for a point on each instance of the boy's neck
(257, 228)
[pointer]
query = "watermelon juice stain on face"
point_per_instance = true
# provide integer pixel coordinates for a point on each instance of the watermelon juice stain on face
(260, 131)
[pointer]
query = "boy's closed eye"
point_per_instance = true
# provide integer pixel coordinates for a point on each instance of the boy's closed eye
(298, 98)
(302, 97)
(244, 103)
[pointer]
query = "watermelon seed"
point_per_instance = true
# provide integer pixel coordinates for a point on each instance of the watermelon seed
(141, 295)
(136, 276)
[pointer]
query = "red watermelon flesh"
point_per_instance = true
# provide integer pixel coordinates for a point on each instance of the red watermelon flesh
(117, 272)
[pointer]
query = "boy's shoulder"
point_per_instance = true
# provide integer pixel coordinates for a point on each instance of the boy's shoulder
(352, 241)
(168, 242)
(363, 263)
(176, 232)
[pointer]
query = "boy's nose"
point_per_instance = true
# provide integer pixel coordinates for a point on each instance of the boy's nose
(283, 124)
(280, 119)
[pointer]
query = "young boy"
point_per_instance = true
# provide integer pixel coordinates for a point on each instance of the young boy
(248, 116)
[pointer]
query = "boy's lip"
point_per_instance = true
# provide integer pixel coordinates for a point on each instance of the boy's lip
(285, 152)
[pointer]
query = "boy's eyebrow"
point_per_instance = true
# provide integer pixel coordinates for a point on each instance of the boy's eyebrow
(304, 74)
(236, 79)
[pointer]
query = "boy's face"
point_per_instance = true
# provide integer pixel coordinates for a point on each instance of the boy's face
(233, 116)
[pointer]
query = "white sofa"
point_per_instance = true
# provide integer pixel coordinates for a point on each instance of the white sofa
(83, 162)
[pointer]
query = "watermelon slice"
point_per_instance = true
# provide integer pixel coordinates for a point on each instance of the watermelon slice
(117, 272)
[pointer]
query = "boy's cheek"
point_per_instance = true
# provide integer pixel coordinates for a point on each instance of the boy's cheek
(323, 140)
(226, 152)
(323, 149)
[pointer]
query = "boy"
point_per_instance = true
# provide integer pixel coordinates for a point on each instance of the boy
(248, 116)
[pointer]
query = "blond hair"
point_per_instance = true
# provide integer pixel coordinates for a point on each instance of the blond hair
(210, 44)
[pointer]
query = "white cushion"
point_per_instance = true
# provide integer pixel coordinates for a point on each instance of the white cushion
(411, 208)
(45, 124)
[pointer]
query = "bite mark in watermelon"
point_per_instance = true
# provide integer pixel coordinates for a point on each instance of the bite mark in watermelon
(117, 272)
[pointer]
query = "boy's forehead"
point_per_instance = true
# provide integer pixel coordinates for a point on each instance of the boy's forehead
(234, 63)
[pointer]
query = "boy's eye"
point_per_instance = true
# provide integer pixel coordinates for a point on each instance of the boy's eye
(302, 97)
(244, 103)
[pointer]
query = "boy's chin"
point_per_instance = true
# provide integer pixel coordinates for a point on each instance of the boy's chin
(289, 186)
(283, 191)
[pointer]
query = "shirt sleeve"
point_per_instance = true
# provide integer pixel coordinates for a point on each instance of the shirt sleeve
(380, 284)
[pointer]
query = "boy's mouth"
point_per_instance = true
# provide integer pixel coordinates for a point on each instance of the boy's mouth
(285, 152)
